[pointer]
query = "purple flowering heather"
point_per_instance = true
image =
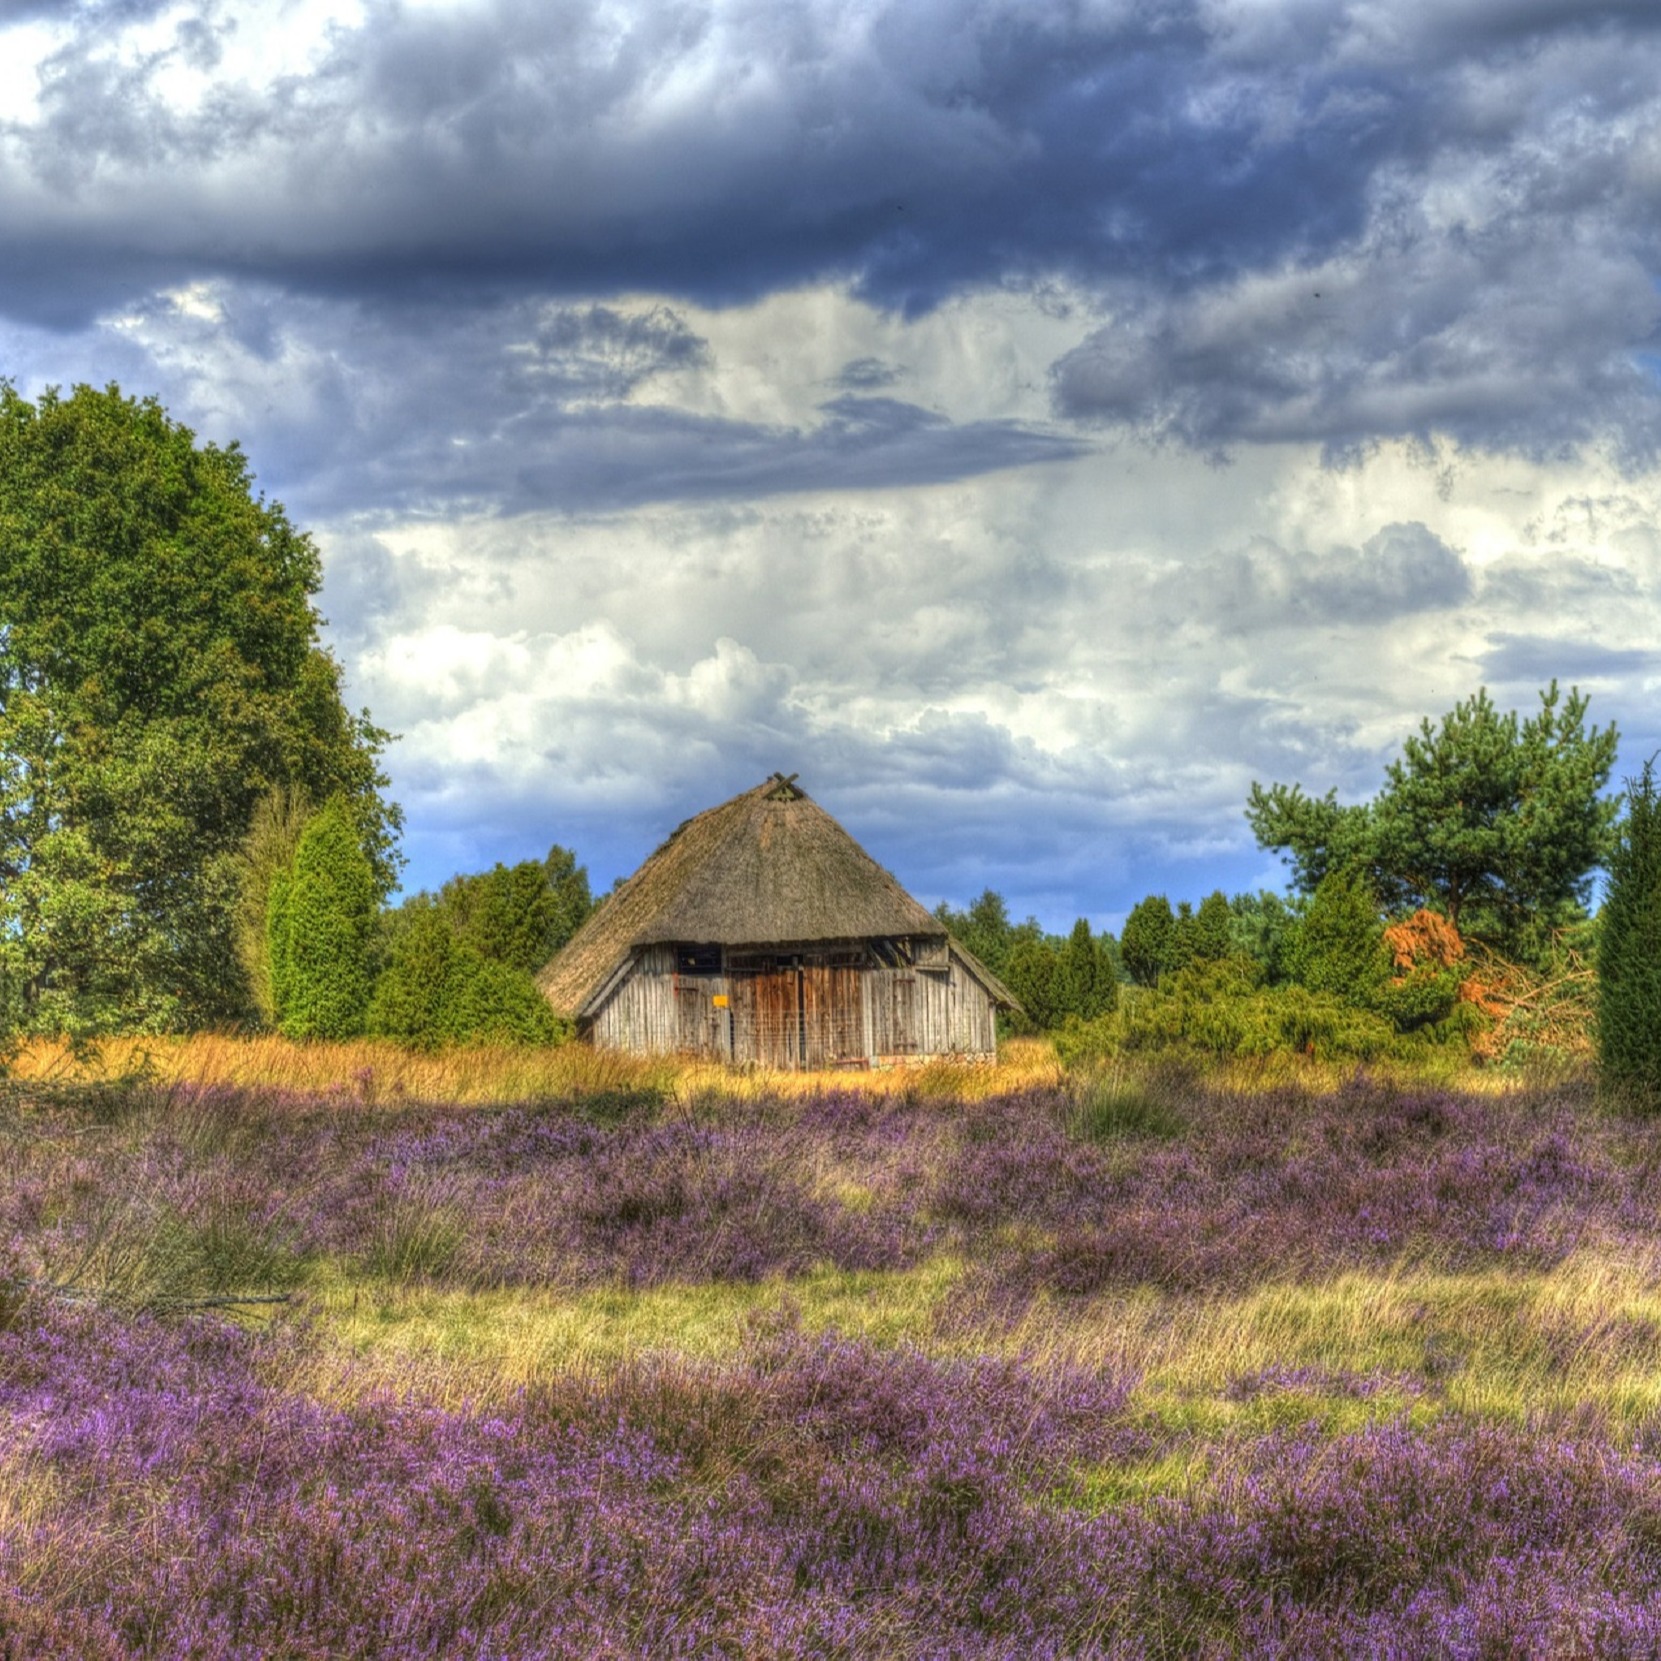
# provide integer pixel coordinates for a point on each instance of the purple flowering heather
(171, 1492)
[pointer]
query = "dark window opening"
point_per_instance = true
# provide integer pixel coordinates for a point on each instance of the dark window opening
(697, 960)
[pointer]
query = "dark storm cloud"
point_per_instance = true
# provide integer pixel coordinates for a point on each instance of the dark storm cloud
(916, 151)
(427, 409)
(1513, 341)
(1328, 220)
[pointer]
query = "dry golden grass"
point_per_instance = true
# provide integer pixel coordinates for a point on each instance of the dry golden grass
(374, 1073)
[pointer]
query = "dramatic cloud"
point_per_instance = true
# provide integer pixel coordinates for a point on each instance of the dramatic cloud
(667, 384)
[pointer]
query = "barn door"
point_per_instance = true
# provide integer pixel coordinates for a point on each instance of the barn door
(833, 1016)
(702, 1025)
(766, 1017)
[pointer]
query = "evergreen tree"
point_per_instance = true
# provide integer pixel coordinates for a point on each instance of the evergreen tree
(1261, 927)
(438, 989)
(408, 1000)
(520, 914)
(1339, 947)
(266, 855)
(1491, 820)
(1147, 939)
(986, 929)
(1629, 952)
(1202, 936)
(322, 918)
(1033, 975)
(1087, 982)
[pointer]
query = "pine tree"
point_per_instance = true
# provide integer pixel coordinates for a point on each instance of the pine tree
(1629, 953)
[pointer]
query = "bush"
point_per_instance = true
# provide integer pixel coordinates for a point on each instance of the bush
(1339, 949)
(1629, 953)
(439, 990)
(1146, 941)
(1224, 1009)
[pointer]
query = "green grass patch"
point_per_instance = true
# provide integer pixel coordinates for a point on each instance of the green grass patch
(522, 1333)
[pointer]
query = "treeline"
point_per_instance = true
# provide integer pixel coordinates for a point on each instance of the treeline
(1056, 977)
(1426, 916)
(194, 829)
(455, 967)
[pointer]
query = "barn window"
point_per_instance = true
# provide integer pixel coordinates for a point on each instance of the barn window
(697, 960)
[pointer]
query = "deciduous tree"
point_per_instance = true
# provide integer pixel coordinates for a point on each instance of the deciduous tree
(160, 672)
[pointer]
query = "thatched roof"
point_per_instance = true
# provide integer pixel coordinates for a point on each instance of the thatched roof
(769, 867)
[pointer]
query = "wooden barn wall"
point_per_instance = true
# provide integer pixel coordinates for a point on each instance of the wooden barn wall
(641, 1013)
(877, 1015)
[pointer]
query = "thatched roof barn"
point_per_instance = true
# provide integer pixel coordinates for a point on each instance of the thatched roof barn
(761, 931)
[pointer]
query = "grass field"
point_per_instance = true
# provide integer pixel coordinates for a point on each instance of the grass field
(960, 1362)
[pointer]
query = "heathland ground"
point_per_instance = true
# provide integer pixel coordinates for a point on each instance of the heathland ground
(578, 1356)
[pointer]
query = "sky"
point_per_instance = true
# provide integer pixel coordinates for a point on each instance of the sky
(1029, 423)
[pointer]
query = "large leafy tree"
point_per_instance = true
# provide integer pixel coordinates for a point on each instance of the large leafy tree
(160, 673)
(1495, 821)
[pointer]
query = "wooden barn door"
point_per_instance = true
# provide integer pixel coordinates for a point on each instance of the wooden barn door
(766, 1017)
(702, 1025)
(833, 1016)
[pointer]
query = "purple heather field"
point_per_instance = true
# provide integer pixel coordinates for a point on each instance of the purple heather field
(179, 1480)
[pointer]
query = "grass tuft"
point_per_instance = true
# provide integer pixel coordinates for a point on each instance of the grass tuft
(1124, 1102)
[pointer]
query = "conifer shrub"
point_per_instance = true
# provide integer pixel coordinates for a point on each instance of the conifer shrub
(319, 923)
(1340, 949)
(1224, 1009)
(1147, 938)
(1201, 936)
(1629, 954)
(1088, 979)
